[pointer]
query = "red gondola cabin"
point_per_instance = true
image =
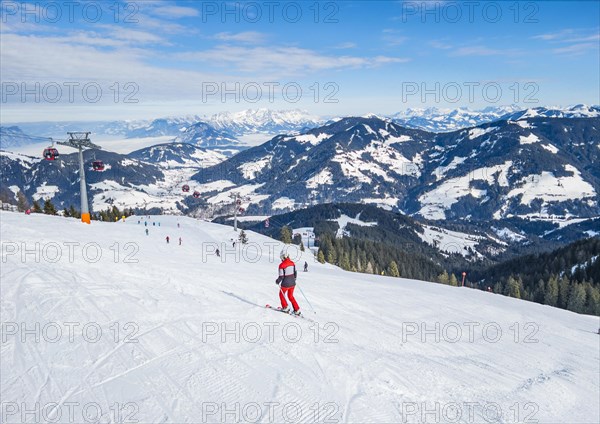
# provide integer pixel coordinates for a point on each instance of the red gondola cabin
(98, 165)
(51, 153)
(196, 194)
(185, 188)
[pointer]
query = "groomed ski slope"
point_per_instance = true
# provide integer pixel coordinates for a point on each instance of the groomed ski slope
(367, 362)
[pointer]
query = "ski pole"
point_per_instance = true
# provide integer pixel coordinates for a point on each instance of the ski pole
(311, 307)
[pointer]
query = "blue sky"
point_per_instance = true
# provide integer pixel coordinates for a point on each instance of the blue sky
(167, 58)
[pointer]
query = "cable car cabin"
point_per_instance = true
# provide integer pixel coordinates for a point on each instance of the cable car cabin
(242, 210)
(98, 165)
(185, 188)
(196, 194)
(50, 153)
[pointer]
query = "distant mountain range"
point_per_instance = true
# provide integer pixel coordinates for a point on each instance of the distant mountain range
(539, 168)
(226, 129)
(434, 119)
(524, 180)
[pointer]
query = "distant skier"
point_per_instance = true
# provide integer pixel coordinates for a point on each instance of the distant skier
(180, 241)
(28, 212)
(287, 282)
(305, 266)
(167, 239)
(145, 223)
(178, 225)
(218, 252)
(146, 231)
(234, 244)
(154, 224)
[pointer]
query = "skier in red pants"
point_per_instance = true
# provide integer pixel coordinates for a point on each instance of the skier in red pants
(287, 282)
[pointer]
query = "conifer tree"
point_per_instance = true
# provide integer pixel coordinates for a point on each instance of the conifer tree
(393, 269)
(22, 203)
(321, 256)
(551, 295)
(36, 207)
(513, 287)
(443, 278)
(49, 208)
(563, 292)
(286, 235)
(577, 296)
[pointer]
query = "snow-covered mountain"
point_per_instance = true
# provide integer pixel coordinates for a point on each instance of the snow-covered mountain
(533, 168)
(577, 111)
(230, 126)
(262, 120)
(178, 155)
(444, 120)
(156, 127)
(14, 136)
(161, 332)
(247, 121)
(543, 168)
(204, 135)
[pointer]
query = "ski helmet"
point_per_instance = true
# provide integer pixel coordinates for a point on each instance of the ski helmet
(284, 254)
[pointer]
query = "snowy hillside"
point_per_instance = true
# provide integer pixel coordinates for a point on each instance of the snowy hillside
(542, 168)
(159, 332)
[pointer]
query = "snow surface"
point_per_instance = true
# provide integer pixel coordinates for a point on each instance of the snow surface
(250, 170)
(25, 161)
(45, 191)
(322, 177)
(530, 139)
(344, 220)
(283, 203)
(447, 241)
(387, 203)
(434, 203)
(507, 234)
(551, 148)
(551, 189)
(173, 361)
(478, 132)
(312, 139)
(376, 159)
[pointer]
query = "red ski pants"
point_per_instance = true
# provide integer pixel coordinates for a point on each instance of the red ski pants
(290, 294)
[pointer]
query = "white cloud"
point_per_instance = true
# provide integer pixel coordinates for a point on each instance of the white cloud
(576, 49)
(282, 59)
(483, 51)
(393, 37)
(347, 45)
(250, 37)
(437, 44)
(574, 42)
(175, 12)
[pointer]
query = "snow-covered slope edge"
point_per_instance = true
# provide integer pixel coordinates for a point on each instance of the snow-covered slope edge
(163, 354)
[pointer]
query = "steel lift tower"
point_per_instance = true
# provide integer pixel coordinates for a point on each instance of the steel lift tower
(79, 141)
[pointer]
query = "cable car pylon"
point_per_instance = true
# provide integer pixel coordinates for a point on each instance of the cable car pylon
(79, 140)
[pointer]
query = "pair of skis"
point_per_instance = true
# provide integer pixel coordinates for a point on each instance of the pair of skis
(278, 309)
